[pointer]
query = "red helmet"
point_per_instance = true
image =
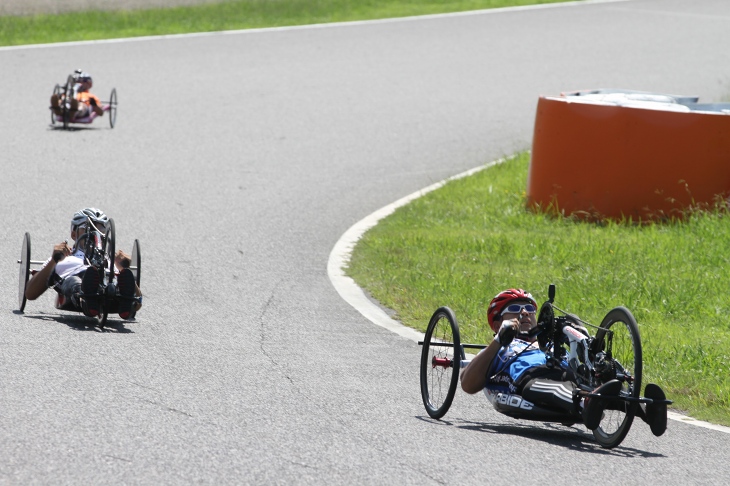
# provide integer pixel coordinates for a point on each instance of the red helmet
(501, 300)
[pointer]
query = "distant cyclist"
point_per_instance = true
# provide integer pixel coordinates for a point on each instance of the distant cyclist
(83, 102)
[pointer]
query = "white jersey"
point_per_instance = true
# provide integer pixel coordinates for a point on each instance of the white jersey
(71, 265)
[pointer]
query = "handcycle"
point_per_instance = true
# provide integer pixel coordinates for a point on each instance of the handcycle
(613, 352)
(67, 92)
(99, 250)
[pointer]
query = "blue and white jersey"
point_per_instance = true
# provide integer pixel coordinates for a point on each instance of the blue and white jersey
(509, 364)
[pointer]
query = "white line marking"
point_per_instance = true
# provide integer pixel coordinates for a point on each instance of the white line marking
(352, 294)
(313, 26)
(699, 423)
(340, 258)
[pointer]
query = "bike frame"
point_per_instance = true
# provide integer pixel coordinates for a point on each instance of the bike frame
(86, 119)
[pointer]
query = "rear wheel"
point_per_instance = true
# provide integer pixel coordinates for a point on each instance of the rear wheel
(113, 108)
(56, 92)
(619, 338)
(24, 273)
(136, 264)
(441, 357)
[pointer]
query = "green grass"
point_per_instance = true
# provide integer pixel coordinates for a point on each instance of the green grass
(460, 245)
(231, 15)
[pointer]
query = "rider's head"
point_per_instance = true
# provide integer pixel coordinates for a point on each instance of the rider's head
(84, 79)
(95, 216)
(512, 303)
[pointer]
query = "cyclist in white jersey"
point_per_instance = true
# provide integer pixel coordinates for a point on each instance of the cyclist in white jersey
(65, 270)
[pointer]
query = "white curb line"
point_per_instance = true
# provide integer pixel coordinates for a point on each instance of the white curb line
(340, 258)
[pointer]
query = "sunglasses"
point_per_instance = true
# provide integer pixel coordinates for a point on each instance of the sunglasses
(517, 308)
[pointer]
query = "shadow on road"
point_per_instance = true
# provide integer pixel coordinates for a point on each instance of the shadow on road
(571, 437)
(79, 322)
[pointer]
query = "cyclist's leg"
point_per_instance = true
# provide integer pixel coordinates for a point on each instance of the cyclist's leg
(552, 393)
(76, 110)
(593, 407)
(550, 387)
(70, 289)
(127, 293)
(84, 110)
(656, 413)
(90, 291)
(56, 104)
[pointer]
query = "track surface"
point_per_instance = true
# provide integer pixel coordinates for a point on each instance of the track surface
(238, 161)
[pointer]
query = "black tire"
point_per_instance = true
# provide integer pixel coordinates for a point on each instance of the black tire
(104, 311)
(136, 264)
(625, 350)
(546, 321)
(113, 108)
(24, 273)
(57, 92)
(438, 382)
(68, 91)
(110, 247)
(106, 274)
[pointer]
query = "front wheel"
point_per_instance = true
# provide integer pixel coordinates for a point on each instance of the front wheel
(618, 336)
(441, 357)
(68, 95)
(24, 271)
(109, 247)
(104, 307)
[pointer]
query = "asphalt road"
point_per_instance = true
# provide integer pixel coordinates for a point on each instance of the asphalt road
(238, 161)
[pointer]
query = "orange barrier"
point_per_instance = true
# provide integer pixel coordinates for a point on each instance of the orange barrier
(612, 161)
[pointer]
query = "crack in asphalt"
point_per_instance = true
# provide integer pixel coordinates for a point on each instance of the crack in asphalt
(262, 328)
(117, 458)
(165, 407)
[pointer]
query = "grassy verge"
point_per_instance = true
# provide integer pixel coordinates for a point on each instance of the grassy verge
(230, 15)
(460, 245)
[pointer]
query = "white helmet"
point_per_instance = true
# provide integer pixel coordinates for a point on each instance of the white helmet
(84, 79)
(96, 216)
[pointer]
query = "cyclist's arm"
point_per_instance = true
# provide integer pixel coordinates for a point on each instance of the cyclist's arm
(38, 283)
(474, 376)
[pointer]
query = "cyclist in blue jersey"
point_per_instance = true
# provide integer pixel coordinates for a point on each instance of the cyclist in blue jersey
(513, 365)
